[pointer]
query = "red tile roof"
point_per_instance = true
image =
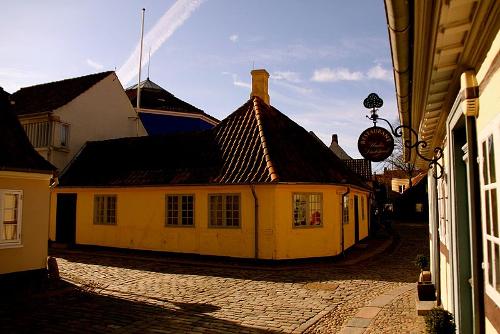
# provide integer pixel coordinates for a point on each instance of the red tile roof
(50, 96)
(16, 152)
(255, 144)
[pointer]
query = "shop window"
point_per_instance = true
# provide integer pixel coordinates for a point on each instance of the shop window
(489, 203)
(224, 210)
(10, 217)
(179, 210)
(105, 209)
(307, 209)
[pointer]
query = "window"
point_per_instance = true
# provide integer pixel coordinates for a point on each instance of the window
(64, 135)
(345, 209)
(224, 210)
(38, 133)
(489, 206)
(401, 188)
(105, 209)
(180, 210)
(307, 209)
(362, 208)
(10, 217)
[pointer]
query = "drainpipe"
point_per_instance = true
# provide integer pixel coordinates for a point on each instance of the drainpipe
(436, 246)
(342, 216)
(256, 221)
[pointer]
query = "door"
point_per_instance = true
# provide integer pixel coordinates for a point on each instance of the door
(66, 218)
(356, 218)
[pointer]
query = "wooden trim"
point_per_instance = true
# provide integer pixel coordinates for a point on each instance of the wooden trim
(492, 312)
(494, 67)
(444, 250)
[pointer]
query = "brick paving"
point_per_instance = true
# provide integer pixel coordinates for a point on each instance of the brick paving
(140, 294)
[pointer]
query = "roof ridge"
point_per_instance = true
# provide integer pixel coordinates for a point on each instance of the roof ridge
(62, 80)
(269, 163)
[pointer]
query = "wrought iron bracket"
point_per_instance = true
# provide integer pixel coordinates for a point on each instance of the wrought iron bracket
(374, 102)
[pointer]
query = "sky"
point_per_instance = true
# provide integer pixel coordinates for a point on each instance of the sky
(324, 56)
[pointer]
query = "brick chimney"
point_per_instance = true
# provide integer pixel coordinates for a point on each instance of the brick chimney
(335, 138)
(260, 79)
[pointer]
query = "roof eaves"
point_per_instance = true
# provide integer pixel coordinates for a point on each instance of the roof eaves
(269, 163)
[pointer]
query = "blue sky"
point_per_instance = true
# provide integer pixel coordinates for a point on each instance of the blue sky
(324, 56)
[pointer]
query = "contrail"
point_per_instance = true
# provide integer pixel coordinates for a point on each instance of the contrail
(173, 18)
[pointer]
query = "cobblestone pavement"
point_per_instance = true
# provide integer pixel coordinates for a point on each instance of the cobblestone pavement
(131, 294)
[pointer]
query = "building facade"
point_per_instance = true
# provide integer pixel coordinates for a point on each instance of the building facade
(446, 58)
(24, 202)
(59, 117)
(257, 185)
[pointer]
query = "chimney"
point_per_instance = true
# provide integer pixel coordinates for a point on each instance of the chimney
(335, 138)
(260, 85)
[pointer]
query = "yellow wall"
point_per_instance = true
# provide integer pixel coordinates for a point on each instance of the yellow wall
(32, 253)
(489, 99)
(141, 222)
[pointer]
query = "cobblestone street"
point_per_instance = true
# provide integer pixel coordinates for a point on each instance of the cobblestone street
(137, 294)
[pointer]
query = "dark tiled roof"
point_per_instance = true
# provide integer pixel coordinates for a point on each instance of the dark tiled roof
(255, 144)
(50, 96)
(16, 152)
(156, 98)
(362, 167)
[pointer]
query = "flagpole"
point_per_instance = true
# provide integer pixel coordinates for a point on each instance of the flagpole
(139, 78)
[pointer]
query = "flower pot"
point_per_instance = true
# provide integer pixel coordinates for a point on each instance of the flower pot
(426, 291)
(425, 276)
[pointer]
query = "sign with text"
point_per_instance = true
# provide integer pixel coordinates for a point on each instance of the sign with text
(375, 144)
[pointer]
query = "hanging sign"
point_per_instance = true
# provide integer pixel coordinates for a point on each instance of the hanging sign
(375, 144)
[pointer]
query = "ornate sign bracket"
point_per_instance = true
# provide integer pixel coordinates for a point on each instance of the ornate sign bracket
(374, 102)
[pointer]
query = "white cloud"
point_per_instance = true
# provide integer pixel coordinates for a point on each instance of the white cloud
(287, 76)
(237, 82)
(163, 29)
(327, 74)
(234, 38)
(94, 65)
(380, 73)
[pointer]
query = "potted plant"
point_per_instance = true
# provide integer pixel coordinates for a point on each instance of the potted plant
(425, 288)
(439, 321)
(422, 262)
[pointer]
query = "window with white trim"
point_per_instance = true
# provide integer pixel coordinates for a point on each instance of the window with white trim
(307, 209)
(179, 210)
(490, 219)
(224, 210)
(10, 217)
(105, 209)
(64, 135)
(345, 210)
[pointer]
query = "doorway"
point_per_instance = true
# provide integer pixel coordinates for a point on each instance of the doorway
(66, 218)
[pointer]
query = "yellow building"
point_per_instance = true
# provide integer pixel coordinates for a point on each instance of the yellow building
(255, 186)
(446, 58)
(24, 202)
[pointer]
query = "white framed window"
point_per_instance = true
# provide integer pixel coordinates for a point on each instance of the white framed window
(10, 217)
(345, 209)
(490, 215)
(224, 210)
(64, 135)
(179, 210)
(105, 209)
(307, 209)
(362, 208)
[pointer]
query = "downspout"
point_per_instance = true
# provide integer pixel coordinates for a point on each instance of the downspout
(471, 107)
(256, 221)
(342, 216)
(436, 246)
